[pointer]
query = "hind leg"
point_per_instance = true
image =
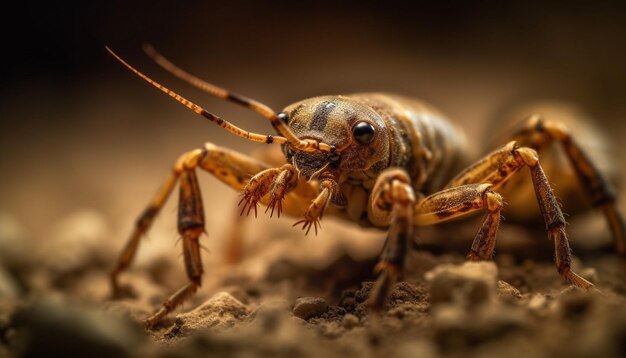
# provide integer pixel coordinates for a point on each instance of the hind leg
(495, 169)
(540, 132)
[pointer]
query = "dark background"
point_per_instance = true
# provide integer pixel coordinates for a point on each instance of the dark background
(78, 131)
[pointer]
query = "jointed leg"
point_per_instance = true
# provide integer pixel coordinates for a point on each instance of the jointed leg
(275, 181)
(598, 189)
(458, 201)
(146, 218)
(190, 227)
(393, 199)
(497, 167)
(315, 211)
(230, 167)
(238, 171)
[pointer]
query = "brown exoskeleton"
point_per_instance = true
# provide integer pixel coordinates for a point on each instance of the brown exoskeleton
(375, 159)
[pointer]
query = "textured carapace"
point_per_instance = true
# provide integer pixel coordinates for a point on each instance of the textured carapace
(333, 120)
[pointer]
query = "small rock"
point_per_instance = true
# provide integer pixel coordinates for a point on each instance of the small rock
(308, 307)
(221, 312)
(538, 304)
(350, 321)
(471, 283)
(505, 290)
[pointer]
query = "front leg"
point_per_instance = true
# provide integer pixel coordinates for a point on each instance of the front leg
(276, 181)
(328, 192)
(236, 171)
(392, 201)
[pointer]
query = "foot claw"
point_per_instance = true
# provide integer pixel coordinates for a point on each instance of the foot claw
(309, 223)
(276, 203)
(249, 202)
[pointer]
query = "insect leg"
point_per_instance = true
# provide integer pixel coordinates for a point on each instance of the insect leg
(495, 169)
(462, 200)
(599, 191)
(190, 227)
(144, 221)
(230, 167)
(235, 170)
(394, 198)
(315, 211)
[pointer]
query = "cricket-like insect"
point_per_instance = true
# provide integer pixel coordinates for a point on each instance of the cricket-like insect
(375, 159)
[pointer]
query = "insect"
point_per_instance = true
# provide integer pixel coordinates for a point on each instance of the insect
(375, 159)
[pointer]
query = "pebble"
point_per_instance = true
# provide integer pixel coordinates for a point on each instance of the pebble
(506, 290)
(219, 312)
(308, 307)
(349, 321)
(471, 283)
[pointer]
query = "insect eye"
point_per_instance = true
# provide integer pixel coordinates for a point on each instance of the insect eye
(363, 132)
(284, 117)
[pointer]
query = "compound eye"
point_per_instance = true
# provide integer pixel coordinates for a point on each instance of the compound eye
(363, 132)
(284, 117)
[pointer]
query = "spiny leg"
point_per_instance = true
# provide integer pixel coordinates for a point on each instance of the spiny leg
(599, 191)
(190, 227)
(145, 220)
(233, 253)
(393, 198)
(314, 213)
(230, 167)
(328, 192)
(497, 167)
(275, 181)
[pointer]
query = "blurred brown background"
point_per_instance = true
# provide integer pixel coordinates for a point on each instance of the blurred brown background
(78, 131)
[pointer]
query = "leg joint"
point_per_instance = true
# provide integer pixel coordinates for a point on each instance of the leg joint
(190, 160)
(188, 223)
(493, 201)
(527, 155)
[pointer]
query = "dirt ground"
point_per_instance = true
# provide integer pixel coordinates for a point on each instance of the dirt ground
(304, 296)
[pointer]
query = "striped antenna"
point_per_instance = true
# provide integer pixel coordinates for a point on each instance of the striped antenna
(222, 93)
(201, 111)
